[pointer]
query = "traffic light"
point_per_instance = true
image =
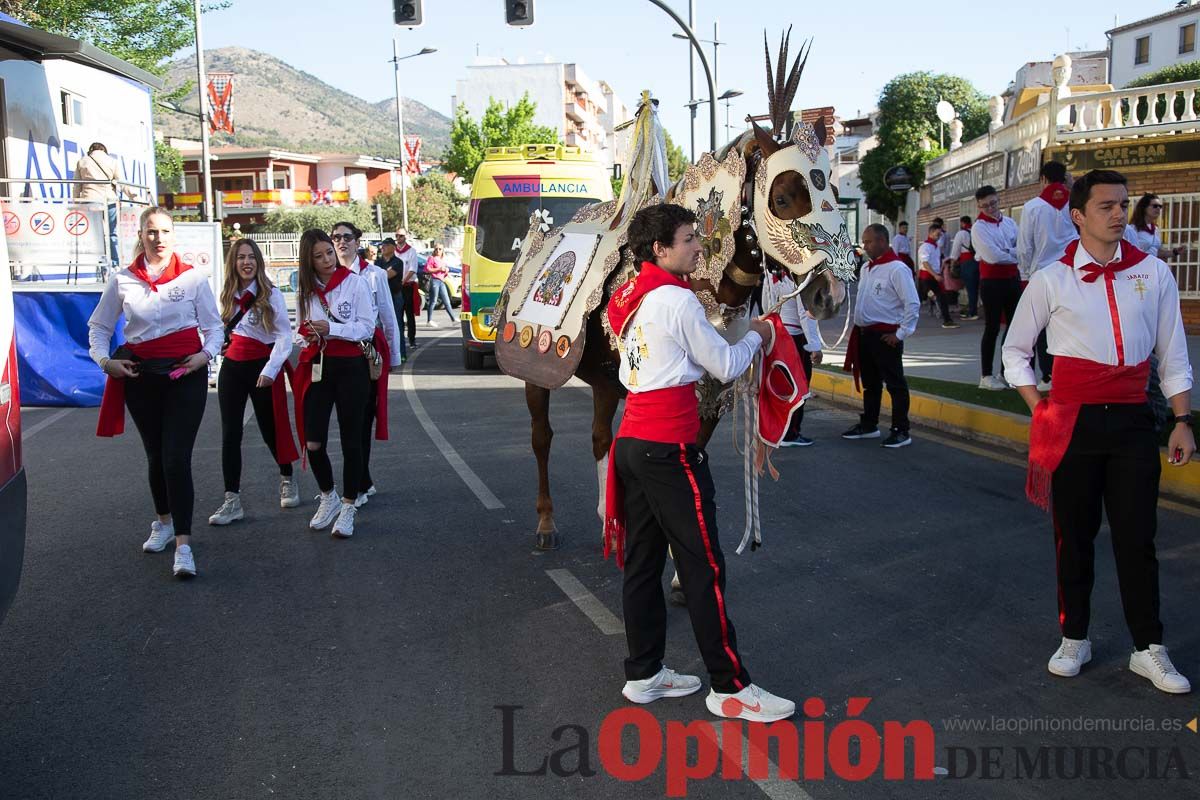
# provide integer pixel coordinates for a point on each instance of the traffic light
(408, 13)
(518, 12)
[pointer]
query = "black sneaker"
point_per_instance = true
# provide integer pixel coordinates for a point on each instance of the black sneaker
(799, 441)
(897, 438)
(861, 431)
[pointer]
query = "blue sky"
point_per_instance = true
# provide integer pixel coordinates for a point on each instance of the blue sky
(858, 46)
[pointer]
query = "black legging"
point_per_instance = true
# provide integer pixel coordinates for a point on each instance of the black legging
(999, 296)
(168, 414)
(344, 383)
(236, 383)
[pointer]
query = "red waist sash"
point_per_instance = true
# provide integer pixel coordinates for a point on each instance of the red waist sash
(381, 385)
(853, 362)
(989, 271)
(670, 415)
(179, 344)
(247, 348)
(1075, 382)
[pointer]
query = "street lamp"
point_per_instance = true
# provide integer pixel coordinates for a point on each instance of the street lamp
(716, 76)
(395, 60)
(727, 95)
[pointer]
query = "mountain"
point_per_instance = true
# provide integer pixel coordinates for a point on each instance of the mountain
(277, 105)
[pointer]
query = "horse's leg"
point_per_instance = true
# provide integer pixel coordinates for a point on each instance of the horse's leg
(538, 400)
(605, 396)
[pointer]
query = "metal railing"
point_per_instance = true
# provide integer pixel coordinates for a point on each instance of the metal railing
(1181, 228)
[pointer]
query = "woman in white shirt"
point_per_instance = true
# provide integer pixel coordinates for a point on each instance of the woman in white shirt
(336, 315)
(258, 341)
(172, 332)
(1143, 231)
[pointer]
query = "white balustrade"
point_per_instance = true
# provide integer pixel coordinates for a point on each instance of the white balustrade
(1129, 112)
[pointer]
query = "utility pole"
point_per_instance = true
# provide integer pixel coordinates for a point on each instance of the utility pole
(400, 138)
(202, 88)
(692, 79)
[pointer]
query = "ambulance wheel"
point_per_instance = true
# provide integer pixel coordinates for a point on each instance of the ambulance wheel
(472, 360)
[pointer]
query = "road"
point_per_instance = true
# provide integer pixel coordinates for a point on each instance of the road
(300, 666)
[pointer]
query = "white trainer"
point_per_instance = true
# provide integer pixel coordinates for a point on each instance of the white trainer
(361, 500)
(185, 563)
(1154, 664)
(992, 383)
(1043, 386)
(751, 703)
(1070, 657)
(229, 511)
(160, 536)
(667, 683)
(371, 490)
(344, 527)
(327, 511)
(289, 493)
(431, 324)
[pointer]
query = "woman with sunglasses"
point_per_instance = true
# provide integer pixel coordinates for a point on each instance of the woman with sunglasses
(1143, 231)
(258, 341)
(386, 338)
(335, 315)
(172, 332)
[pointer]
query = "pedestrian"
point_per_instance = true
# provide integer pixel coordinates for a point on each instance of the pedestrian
(436, 270)
(901, 244)
(403, 283)
(172, 332)
(807, 337)
(885, 315)
(1092, 443)
(659, 490)
(99, 169)
(258, 342)
(929, 277)
(1143, 231)
(336, 315)
(994, 237)
(1045, 231)
(386, 341)
(391, 265)
(963, 254)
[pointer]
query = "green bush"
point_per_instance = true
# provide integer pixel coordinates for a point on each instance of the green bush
(1176, 73)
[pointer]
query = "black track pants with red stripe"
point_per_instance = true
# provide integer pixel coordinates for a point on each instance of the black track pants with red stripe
(669, 501)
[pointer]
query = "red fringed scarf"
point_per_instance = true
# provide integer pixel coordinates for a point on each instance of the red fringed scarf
(172, 271)
(246, 348)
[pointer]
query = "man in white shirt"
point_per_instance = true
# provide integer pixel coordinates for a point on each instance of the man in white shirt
(929, 275)
(885, 314)
(994, 237)
(1105, 306)
(901, 244)
(963, 254)
(1046, 230)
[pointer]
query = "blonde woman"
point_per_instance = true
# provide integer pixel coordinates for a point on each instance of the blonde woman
(172, 332)
(258, 341)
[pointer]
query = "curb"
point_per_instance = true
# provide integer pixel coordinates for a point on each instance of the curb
(985, 425)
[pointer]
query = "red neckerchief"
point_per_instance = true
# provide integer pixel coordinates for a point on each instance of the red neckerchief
(1056, 194)
(966, 226)
(340, 274)
(932, 242)
(404, 249)
(627, 299)
(173, 270)
(1130, 256)
(246, 300)
(986, 218)
(887, 257)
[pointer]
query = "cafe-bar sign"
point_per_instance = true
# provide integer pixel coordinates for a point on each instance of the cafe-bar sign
(1147, 153)
(964, 182)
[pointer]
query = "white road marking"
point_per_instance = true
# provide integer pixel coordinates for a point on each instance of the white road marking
(587, 602)
(473, 481)
(27, 433)
(773, 787)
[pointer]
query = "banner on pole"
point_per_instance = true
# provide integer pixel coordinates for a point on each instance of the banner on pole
(412, 154)
(220, 102)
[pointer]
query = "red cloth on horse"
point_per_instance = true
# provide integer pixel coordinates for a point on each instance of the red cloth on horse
(179, 344)
(246, 348)
(783, 387)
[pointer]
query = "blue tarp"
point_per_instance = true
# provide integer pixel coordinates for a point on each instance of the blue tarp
(52, 348)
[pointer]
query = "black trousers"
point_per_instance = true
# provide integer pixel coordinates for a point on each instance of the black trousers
(1045, 361)
(1112, 460)
(925, 285)
(369, 412)
(167, 414)
(999, 296)
(344, 384)
(806, 361)
(669, 500)
(882, 365)
(235, 385)
(403, 301)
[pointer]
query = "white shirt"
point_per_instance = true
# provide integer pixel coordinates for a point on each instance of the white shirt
(1045, 233)
(887, 294)
(385, 311)
(929, 257)
(1147, 242)
(962, 244)
(995, 243)
(1079, 324)
(409, 257)
(353, 310)
(279, 335)
(186, 302)
(901, 245)
(796, 318)
(669, 342)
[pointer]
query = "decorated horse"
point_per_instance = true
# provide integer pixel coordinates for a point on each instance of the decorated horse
(764, 203)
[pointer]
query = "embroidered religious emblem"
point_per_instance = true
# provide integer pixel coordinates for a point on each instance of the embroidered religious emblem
(711, 224)
(344, 308)
(635, 355)
(252, 317)
(878, 289)
(550, 288)
(1139, 286)
(175, 294)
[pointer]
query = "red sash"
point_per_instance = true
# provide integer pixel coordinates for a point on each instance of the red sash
(179, 344)
(853, 362)
(1075, 382)
(246, 348)
(381, 386)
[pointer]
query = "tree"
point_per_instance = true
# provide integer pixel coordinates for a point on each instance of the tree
(498, 128)
(433, 205)
(677, 162)
(907, 113)
(168, 166)
(298, 220)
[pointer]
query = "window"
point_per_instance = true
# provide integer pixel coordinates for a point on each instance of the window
(72, 109)
(1187, 39)
(1141, 50)
(502, 222)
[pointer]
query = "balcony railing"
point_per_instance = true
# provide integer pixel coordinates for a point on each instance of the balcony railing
(262, 198)
(1167, 108)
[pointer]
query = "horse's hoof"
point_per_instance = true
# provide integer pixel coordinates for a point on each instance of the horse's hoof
(677, 598)
(547, 541)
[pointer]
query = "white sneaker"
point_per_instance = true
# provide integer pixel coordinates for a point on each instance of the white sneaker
(431, 324)
(229, 511)
(1070, 657)
(160, 536)
(752, 703)
(361, 500)
(371, 490)
(1154, 664)
(344, 527)
(185, 564)
(327, 511)
(992, 383)
(289, 493)
(1043, 386)
(667, 683)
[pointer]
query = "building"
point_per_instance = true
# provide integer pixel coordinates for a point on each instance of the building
(1141, 47)
(583, 111)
